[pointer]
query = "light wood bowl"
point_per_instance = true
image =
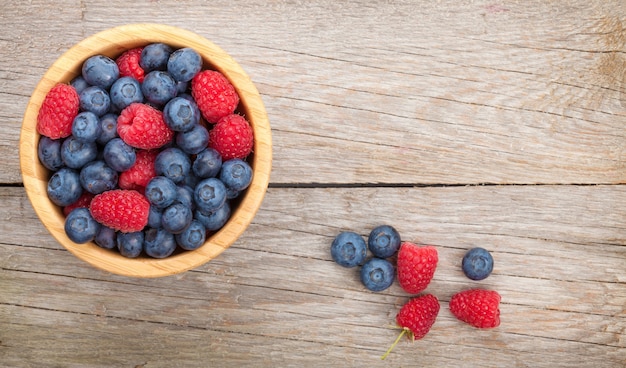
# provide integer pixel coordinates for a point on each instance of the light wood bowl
(112, 43)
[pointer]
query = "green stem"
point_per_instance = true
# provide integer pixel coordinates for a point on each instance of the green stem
(394, 344)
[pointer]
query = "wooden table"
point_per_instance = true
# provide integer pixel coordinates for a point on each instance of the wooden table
(460, 123)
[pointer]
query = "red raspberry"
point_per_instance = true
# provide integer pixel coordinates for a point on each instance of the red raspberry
(128, 64)
(138, 176)
(416, 318)
(214, 94)
(478, 307)
(232, 137)
(120, 209)
(142, 126)
(416, 266)
(57, 112)
(82, 202)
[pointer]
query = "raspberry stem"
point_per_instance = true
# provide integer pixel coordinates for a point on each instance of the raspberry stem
(404, 330)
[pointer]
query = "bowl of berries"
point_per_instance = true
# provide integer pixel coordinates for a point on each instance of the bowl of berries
(145, 150)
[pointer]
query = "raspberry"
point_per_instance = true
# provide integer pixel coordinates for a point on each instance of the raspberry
(57, 112)
(138, 176)
(416, 318)
(477, 307)
(123, 210)
(232, 137)
(142, 126)
(416, 266)
(214, 94)
(128, 63)
(82, 202)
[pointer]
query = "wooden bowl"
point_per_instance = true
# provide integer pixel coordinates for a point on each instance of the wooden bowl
(112, 43)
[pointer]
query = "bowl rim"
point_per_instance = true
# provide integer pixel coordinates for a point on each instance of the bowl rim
(112, 42)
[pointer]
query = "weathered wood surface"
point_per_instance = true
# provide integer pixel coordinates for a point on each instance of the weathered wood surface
(461, 123)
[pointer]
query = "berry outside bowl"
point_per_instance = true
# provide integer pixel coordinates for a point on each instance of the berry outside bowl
(112, 43)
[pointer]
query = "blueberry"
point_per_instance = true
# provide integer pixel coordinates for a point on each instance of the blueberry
(49, 153)
(101, 71)
(207, 163)
(176, 218)
(80, 227)
(158, 87)
(96, 100)
(173, 163)
(97, 177)
(106, 238)
(130, 245)
(86, 127)
(193, 141)
(79, 83)
(215, 220)
(181, 114)
(161, 192)
(108, 128)
(154, 217)
(119, 155)
(348, 249)
(158, 243)
(192, 237)
(383, 241)
(183, 64)
(477, 263)
(181, 87)
(64, 187)
(125, 91)
(377, 274)
(236, 174)
(185, 196)
(75, 154)
(209, 194)
(155, 57)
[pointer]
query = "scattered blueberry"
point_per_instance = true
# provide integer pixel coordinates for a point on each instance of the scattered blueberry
(97, 177)
(108, 128)
(155, 57)
(348, 249)
(158, 87)
(161, 192)
(236, 174)
(80, 227)
(75, 154)
(100, 71)
(209, 194)
(158, 243)
(383, 241)
(183, 64)
(192, 237)
(64, 187)
(95, 99)
(86, 127)
(173, 163)
(119, 155)
(377, 274)
(106, 238)
(125, 91)
(181, 114)
(79, 83)
(193, 141)
(176, 218)
(184, 195)
(477, 263)
(130, 245)
(215, 220)
(154, 217)
(49, 153)
(207, 163)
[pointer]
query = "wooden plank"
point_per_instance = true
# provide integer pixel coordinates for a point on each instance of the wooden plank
(277, 292)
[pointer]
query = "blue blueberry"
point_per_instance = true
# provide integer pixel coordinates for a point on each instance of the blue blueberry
(192, 237)
(75, 154)
(95, 99)
(154, 217)
(207, 163)
(173, 163)
(101, 71)
(383, 241)
(236, 174)
(181, 87)
(79, 83)
(181, 114)
(209, 194)
(86, 127)
(80, 227)
(106, 238)
(193, 141)
(348, 249)
(64, 187)
(185, 196)
(108, 128)
(377, 274)
(158, 87)
(161, 192)
(155, 57)
(119, 155)
(97, 177)
(125, 91)
(158, 243)
(183, 64)
(130, 245)
(49, 153)
(176, 218)
(215, 220)
(477, 263)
